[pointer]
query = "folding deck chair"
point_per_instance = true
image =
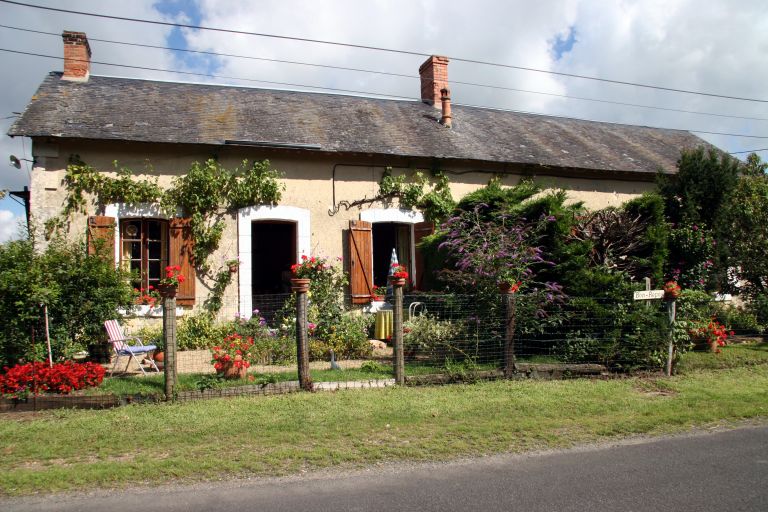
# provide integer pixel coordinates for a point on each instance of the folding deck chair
(118, 340)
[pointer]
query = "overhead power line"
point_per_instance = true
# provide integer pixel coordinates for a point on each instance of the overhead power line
(386, 73)
(747, 151)
(381, 49)
(210, 75)
(367, 93)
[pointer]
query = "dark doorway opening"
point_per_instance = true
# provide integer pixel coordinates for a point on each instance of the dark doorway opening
(388, 236)
(274, 251)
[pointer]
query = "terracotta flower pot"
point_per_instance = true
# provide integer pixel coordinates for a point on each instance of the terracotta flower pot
(300, 284)
(159, 358)
(233, 269)
(397, 281)
(167, 290)
(229, 370)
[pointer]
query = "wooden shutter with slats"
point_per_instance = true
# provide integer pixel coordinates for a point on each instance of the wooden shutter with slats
(101, 236)
(360, 261)
(180, 247)
(420, 230)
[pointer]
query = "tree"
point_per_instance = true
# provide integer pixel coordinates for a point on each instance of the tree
(746, 220)
(695, 201)
(81, 291)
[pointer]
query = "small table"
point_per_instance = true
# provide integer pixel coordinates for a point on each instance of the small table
(383, 326)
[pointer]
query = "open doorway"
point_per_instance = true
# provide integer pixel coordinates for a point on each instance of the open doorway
(388, 236)
(273, 246)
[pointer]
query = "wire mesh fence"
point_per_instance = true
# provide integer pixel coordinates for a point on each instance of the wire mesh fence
(445, 338)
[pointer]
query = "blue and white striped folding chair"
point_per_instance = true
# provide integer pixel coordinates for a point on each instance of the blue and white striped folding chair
(118, 340)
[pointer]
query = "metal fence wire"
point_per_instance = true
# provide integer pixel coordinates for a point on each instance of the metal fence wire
(445, 338)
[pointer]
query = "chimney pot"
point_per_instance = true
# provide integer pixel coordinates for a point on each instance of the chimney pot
(434, 77)
(445, 100)
(77, 56)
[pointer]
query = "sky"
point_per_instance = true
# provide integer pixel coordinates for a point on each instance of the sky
(718, 46)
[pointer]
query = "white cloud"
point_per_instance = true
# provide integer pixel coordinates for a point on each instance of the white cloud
(713, 46)
(9, 226)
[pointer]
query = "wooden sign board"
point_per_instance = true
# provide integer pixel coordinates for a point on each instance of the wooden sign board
(649, 295)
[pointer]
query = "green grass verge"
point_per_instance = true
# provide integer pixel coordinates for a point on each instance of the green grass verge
(732, 356)
(276, 435)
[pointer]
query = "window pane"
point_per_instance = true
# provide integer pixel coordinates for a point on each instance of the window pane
(154, 269)
(154, 229)
(136, 267)
(132, 250)
(155, 250)
(131, 229)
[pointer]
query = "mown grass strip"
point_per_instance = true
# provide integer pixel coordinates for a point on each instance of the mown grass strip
(76, 449)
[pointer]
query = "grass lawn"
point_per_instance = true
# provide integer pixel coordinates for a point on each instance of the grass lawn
(276, 435)
(732, 356)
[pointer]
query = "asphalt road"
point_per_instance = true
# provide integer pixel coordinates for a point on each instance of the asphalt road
(706, 471)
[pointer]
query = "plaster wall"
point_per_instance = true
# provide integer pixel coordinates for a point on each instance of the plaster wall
(309, 185)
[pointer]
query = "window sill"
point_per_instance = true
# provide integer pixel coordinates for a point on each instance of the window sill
(147, 311)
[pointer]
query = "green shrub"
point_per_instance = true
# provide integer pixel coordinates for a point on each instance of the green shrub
(199, 331)
(428, 336)
(151, 336)
(81, 291)
(759, 307)
(280, 349)
(348, 339)
(374, 367)
(740, 320)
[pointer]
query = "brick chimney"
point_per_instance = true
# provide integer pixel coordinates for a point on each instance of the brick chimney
(77, 56)
(434, 77)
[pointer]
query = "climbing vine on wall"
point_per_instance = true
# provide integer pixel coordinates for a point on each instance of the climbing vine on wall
(205, 192)
(432, 198)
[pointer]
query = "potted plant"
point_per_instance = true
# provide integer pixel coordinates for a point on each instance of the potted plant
(233, 265)
(710, 336)
(170, 283)
(378, 293)
(305, 270)
(672, 290)
(399, 275)
(232, 358)
(145, 299)
(159, 355)
(507, 287)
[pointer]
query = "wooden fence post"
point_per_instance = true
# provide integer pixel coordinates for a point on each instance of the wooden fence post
(169, 337)
(671, 313)
(301, 287)
(508, 299)
(397, 328)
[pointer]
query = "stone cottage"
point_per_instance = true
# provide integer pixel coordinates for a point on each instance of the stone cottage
(329, 148)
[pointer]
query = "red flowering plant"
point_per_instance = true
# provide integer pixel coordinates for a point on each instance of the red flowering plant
(173, 276)
(711, 335)
(309, 268)
(235, 351)
(146, 296)
(378, 292)
(63, 378)
(672, 290)
(399, 271)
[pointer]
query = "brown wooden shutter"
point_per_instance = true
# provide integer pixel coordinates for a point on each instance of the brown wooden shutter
(360, 261)
(101, 236)
(420, 230)
(180, 247)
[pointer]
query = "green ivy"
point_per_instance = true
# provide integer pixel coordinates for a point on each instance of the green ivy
(202, 193)
(436, 203)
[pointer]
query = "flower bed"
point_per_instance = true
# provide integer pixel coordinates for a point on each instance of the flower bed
(62, 378)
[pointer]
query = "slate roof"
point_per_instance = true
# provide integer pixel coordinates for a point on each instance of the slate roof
(107, 108)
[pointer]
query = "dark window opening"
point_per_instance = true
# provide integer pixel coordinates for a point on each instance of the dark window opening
(274, 251)
(388, 236)
(144, 250)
